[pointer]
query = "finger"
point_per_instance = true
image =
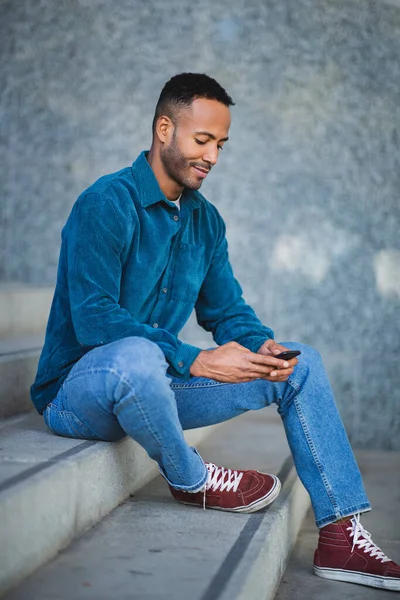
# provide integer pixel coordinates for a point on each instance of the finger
(292, 362)
(278, 348)
(261, 370)
(250, 372)
(260, 374)
(246, 378)
(281, 373)
(271, 347)
(275, 379)
(261, 359)
(257, 374)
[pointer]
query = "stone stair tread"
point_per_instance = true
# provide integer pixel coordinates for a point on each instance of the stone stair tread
(53, 488)
(153, 547)
(26, 442)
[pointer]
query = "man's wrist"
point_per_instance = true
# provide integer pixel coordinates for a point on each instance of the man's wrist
(198, 368)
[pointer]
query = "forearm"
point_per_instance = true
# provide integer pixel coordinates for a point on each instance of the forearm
(237, 322)
(221, 309)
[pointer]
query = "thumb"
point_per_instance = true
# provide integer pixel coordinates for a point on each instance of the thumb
(277, 348)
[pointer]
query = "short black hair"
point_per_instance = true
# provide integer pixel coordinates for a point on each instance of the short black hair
(181, 90)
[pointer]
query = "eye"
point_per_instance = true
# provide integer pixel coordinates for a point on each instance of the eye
(220, 147)
(200, 142)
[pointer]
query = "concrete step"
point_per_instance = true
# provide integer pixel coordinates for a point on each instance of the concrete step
(153, 547)
(52, 489)
(381, 475)
(18, 363)
(24, 309)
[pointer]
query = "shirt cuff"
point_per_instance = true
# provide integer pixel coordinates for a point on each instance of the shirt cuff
(183, 360)
(255, 342)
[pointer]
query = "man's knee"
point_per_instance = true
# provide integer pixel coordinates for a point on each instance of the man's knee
(309, 355)
(135, 355)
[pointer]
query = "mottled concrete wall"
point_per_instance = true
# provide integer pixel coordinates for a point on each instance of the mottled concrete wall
(308, 185)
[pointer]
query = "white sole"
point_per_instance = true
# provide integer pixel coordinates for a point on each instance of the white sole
(250, 508)
(376, 581)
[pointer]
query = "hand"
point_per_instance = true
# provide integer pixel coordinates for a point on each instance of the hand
(270, 348)
(232, 363)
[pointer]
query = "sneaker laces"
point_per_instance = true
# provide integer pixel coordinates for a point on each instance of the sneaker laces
(362, 539)
(221, 479)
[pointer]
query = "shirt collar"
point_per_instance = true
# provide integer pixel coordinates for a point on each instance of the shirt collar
(149, 189)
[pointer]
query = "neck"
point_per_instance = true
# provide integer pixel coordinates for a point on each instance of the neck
(170, 188)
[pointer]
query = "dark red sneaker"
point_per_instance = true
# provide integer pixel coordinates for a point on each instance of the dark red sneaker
(346, 552)
(235, 491)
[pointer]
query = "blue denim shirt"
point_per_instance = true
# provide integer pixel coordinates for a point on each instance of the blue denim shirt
(132, 264)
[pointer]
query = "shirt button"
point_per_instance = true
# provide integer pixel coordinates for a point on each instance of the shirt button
(165, 290)
(155, 325)
(180, 364)
(176, 218)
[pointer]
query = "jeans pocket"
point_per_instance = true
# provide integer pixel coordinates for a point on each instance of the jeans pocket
(66, 424)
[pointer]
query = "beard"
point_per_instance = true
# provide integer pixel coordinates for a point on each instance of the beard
(178, 167)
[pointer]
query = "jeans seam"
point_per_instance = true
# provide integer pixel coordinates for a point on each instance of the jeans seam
(144, 415)
(197, 385)
(294, 384)
(315, 456)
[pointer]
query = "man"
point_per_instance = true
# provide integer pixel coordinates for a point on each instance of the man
(140, 249)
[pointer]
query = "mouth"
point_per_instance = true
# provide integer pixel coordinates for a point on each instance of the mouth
(201, 172)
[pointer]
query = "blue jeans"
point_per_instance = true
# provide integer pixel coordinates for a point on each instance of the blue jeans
(122, 389)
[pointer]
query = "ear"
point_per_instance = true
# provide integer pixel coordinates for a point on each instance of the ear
(164, 129)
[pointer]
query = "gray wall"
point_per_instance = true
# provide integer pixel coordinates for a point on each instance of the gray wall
(308, 185)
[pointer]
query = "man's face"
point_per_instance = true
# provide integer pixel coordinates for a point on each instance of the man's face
(192, 147)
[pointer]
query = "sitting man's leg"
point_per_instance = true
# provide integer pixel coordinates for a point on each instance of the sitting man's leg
(122, 389)
(322, 454)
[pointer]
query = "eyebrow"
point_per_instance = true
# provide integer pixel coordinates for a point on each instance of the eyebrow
(210, 135)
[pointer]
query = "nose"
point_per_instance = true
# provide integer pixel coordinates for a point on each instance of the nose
(211, 156)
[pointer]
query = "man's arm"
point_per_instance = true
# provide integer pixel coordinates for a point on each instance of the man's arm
(247, 347)
(220, 307)
(95, 241)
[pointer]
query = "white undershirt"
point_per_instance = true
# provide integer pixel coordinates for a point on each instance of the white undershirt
(177, 202)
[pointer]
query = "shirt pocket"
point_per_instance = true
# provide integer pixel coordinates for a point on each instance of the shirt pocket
(188, 273)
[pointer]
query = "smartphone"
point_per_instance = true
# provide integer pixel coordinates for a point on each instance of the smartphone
(288, 354)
